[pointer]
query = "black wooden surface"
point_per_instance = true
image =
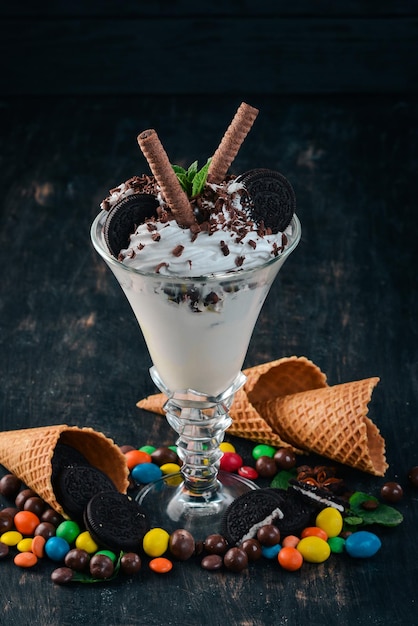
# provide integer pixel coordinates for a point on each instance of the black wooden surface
(79, 81)
(215, 48)
(71, 351)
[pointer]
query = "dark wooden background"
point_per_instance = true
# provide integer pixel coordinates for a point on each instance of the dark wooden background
(336, 84)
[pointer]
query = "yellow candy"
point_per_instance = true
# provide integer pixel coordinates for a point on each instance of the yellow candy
(330, 520)
(25, 545)
(85, 542)
(11, 537)
(226, 447)
(314, 549)
(170, 468)
(155, 542)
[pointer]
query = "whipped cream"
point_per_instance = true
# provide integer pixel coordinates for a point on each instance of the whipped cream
(228, 239)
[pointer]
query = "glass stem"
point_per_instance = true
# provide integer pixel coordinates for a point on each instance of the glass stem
(201, 422)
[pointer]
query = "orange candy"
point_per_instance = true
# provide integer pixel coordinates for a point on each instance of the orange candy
(290, 559)
(136, 457)
(38, 546)
(291, 541)
(314, 531)
(26, 522)
(161, 565)
(25, 559)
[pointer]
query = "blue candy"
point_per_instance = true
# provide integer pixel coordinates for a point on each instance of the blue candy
(362, 544)
(146, 473)
(270, 552)
(56, 548)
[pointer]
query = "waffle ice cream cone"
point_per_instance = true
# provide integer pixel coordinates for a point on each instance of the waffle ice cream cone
(331, 422)
(28, 454)
(268, 380)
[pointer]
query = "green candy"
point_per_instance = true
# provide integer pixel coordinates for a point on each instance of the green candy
(109, 553)
(148, 449)
(68, 530)
(336, 544)
(263, 450)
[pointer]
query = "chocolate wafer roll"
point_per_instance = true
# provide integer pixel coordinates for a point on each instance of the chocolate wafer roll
(231, 142)
(166, 178)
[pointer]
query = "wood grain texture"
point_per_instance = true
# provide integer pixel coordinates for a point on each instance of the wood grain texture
(176, 8)
(347, 299)
(208, 54)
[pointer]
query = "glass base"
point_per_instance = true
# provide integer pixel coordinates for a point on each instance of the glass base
(170, 505)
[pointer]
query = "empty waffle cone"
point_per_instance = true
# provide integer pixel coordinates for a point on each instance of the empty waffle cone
(264, 382)
(331, 422)
(28, 454)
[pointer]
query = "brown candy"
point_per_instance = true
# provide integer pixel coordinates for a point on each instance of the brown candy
(285, 458)
(163, 455)
(22, 496)
(253, 549)
(391, 492)
(266, 467)
(212, 562)
(181, 544)
(130, 563)
(4, 550)
(268, 535)
(45, 530)
(62, 575)
(236, 560)
(78, 560)
(35, 504)
(101, 566)
(216, 544)
(9, 486)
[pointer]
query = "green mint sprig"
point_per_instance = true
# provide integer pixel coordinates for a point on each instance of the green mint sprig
(192, 180)
(384, 515)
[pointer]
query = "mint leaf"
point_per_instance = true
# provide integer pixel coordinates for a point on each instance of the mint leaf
(352, 520)
(184, 182)
(199, 179)
(281, 480)
(192, 171)
(192, 180)
(178, 169)
(384, 515)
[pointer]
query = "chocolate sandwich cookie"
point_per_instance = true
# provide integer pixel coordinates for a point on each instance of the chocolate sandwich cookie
(318, 497)
(125, 216)
(75, 485)
(65, 456)
(272, 199)
(250, 512)
(116, 522)
(297, 513)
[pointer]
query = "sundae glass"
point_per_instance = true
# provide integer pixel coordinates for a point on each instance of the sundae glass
(197, 329)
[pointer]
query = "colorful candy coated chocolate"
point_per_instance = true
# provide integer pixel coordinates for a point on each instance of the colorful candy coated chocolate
(230, 462)
(362, 544)
(314, 549)
(146, 473)
(330, 520)
(155, 542)
(68, 530)
(56, 548)
(263, 450)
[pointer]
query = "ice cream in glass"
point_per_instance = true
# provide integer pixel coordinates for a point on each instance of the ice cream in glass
(195, 252)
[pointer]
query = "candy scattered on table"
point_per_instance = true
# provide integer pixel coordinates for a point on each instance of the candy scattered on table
(31, 531)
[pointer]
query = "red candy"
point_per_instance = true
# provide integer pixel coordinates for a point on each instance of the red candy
(230, 462)
(246, 471)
